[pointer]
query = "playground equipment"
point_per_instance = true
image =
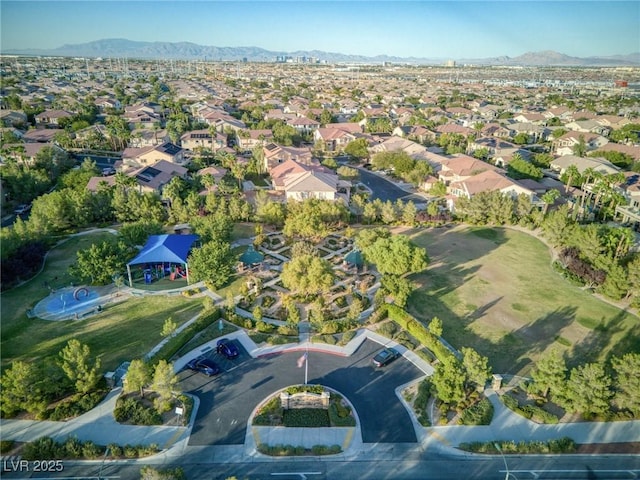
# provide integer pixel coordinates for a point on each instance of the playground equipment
(78, 291)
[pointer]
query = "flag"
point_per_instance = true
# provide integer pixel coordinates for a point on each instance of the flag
(302, 359)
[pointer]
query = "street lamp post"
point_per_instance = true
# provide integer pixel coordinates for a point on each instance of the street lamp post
(504, 459)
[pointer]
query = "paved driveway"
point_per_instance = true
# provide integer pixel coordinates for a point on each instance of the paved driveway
(227, 400)
(385, 189)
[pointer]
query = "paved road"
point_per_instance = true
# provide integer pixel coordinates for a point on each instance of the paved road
(385, 189)
(227, 401)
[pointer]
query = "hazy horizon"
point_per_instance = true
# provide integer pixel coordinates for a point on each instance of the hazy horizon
(423, 29)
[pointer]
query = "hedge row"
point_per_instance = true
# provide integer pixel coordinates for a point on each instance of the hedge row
(306, 417)
(531, 412)
(169, 349)
(561, 445)
(419, 332)
(420, 403)
(46, 448)
(290, 450)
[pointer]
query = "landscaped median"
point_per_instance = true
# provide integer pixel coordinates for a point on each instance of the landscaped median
(303, 420)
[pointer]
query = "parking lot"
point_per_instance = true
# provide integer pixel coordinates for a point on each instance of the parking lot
(228, 399)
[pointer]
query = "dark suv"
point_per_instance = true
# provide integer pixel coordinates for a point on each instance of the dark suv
(385, 357)
(227, 348)
(204, 365)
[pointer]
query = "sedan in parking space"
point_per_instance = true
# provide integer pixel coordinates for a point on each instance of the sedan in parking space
(227, 348)
(385, 357)
(204, 365)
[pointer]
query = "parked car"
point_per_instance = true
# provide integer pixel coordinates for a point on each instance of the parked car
(204, 365)
(227, 348)
(22, 209)
(385, 357)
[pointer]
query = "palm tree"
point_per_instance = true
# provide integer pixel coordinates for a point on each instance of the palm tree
(549, 198)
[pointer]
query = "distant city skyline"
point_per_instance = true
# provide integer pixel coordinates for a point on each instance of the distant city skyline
(423, 29)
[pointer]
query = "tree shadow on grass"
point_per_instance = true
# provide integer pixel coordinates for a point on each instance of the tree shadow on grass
(598, 340)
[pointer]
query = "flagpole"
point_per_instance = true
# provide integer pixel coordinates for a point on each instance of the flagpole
(306, 366)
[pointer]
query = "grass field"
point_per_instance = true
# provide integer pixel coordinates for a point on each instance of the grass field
(123, 331)
(494, 290)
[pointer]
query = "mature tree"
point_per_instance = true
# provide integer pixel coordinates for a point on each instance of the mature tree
(216, 227)
(272, 213)
(138, 376)
(357, 148)
(304, 248)
(100, 262)
(549, 198)
(616, 285)
(213, 262)
(307, 274)
(627, 382)
(448, 381)
(476, 366)
(580, 149)
(519, 168)
(169, 327)
(165, 384)
(558, 226)
(20, 389)
(549, 375)
(399, 288)
(77, 365)
(137, 233)
(439, 189)
(588, 390)
(314, 218)
(435, 326)
(368, 237)
(633, 276)
(409, 213)
(348, 173)
(396, 255)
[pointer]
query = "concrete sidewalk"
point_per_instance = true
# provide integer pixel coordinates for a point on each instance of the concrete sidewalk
(100, 426)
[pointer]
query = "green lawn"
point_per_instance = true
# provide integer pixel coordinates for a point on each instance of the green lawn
(495, 290)
(121, 332)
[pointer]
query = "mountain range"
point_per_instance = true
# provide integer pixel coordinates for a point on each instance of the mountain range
(122, 48)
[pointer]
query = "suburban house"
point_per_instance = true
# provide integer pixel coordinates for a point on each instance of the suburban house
(333, 139)
(449, 128)
(41, 135)
(203, 139)
(417, 133)
(304, 124)
(216, 173)
(275, 154)
(13, 118)
(148, 178)
(588, 126)
(632, 150)
(300, 182)
(395, 144)
(141, 118)
(249, 139)
(50, 118)
(28, 152)
(461, 167)
(597, 164)
(105, 103)
(565, 144)
(139, 157)
(488, 181)
(631, 190)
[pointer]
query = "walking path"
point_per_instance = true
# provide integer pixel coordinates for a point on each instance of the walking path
(100, 426)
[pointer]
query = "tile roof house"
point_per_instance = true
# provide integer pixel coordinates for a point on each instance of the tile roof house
(303, 124)
(565, 144)
(275, 154)
(487, 181)
(138, 157)
(199, 139)
(13, 118)
(333, 138)
(416, 133)
(50, 118)
(598, 164)
(41, 135)
(152, 178)
(249, 139)
(300, 182)
(632, 150)
(454, 128)
(461, 167)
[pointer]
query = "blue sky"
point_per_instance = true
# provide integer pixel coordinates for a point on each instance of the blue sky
(428, 29)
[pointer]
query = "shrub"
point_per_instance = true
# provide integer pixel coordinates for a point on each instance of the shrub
(6, 445)
(44, 448)
(73, 448)
(130, 451)
(115, 450)
(479, 414)
(90, 450)
(264, 327)
(288, 330)
(278, 340)
(347, 337)
(317, 389)
(306, 417)
(388, 329)
(129, 410)
(378, 315)
(420, 402)
(561, 445)
(340, 415)
(405, 340)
